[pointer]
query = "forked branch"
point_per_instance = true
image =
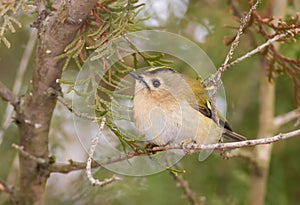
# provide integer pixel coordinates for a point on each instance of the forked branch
(7, 95)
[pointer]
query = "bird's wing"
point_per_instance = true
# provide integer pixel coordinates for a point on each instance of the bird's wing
(203, 105)
(228, 133)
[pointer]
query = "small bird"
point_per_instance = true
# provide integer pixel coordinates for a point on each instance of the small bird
(170, 108)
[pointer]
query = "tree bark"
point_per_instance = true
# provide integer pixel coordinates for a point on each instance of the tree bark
(34, 112)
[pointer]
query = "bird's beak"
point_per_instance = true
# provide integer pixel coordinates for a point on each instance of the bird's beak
(136, 76)
(139, 78)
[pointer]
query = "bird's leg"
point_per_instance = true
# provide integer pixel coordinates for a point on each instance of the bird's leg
(184, 144)
(149, 148)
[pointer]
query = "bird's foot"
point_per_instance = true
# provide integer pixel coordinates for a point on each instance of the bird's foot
(184, 143)
(149, 148)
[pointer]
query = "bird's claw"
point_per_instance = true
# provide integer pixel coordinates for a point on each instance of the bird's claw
(184, 143)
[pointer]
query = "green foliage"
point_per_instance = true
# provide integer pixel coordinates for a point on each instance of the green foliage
(220, 181)
(8, 20)
(207, 178)
(107, 22)
(98, 52)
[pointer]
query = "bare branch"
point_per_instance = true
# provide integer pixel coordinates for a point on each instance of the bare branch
(75, 112)
(232, 145)
(24, 61)
(18, 80)
(89, 162)
(216, 78)
(244, 20)
(238, 13)
(71, 166)
(4, 187)
(244, 154)
(10, 191)
(236, 41)
(65, 168)
(28, 155)
(7, 95)
(258, 49)
(287, 117)
(180, 182)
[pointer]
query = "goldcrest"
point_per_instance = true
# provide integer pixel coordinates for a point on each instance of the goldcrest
(169, 107)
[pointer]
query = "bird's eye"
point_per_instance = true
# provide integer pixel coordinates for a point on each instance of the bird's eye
(156, 83)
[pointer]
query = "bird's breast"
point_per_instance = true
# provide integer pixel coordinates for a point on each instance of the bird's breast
(169, 120)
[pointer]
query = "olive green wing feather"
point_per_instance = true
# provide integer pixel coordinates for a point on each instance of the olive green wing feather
(203, 105)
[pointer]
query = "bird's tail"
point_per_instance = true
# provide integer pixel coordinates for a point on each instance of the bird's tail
(233, 136)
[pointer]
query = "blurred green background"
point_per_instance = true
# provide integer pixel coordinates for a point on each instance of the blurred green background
(219, 181)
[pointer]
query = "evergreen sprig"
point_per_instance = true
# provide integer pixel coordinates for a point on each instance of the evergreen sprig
(97, 51)
(8, 20)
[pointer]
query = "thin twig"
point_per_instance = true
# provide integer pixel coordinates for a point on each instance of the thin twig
(232, 145)
(238, 13)
(97, 182)
(190, 147)
(24, 61)
(244, 154)
(7, 95)
(216, 78)
(258, 49)
(287, 117)
(70, 108)
(180, 182)
(28, 155)
(216, 81)
(236, 41)
(71, 166)
(10, 191)
(19, 80)
(137, 50)
(4, 187)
